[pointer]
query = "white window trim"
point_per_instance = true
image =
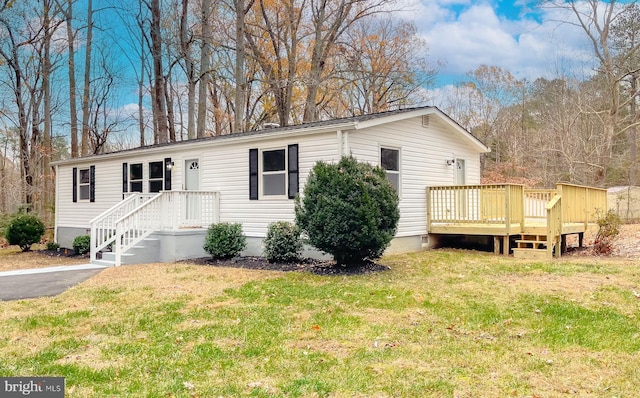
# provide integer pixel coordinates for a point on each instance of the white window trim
(142, 180)
(399, 172)
(86, 184)
(262, 173)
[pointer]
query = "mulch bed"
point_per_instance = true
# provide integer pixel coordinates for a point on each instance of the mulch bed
(61, 252)
(317, 267)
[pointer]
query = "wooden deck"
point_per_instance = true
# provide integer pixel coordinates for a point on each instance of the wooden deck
(539, 220)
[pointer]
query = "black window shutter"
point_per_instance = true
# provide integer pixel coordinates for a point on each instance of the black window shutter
(292, 171)
(253, 174)
(75, 184)
(167, 174)
(125, 178)
(92, 184)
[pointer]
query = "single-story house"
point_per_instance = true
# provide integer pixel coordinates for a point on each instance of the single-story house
(154, 203)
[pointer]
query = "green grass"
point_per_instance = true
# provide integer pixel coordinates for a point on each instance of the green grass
(439, 324)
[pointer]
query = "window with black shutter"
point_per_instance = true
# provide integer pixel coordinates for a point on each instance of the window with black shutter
(274, 172)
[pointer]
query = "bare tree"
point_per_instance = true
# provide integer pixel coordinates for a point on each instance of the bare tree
(16, 52)
(383, 68)
(597, 19)
(86, 88)
(626, 41)
(329, 20)
(241, 8)
(67, 14)
(158, 90)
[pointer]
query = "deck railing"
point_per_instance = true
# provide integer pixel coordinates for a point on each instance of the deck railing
(476, 204)
(554, 225)
(169, 210)
(511, 204)
(582, 204)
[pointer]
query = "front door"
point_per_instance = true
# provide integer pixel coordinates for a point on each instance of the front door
(192, 183)
(461, 177)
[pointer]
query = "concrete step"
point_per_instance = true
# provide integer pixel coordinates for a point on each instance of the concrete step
(147, 251)
(104, 262)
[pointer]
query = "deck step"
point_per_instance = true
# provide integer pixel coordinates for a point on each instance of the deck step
(539, 242)
(529, 253)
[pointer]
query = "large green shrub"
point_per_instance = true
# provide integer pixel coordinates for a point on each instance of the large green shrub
(24, 230)
(225, 240)
(349, 210)
(82, 244)
(282, 243)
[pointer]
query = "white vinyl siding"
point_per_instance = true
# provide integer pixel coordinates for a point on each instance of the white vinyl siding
(423, 155)
(224, 167)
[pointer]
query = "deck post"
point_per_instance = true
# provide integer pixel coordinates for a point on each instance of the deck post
(496, 244)
(505, 245)
(507, 209)
(428, 210)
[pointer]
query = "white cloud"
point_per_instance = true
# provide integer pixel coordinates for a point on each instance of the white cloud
(466, 36)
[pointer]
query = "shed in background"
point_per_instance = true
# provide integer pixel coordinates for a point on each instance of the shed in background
(625, 202)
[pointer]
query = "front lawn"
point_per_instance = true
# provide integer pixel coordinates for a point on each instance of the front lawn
(439, 323)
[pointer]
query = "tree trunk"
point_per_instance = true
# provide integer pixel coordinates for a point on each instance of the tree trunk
(160, 110)
(241, 83)
(170, 116)
(47, 150)
(205, 65)
(141, 124)
(73, 115)
(185, 46)
(633, 169)
(86, 91)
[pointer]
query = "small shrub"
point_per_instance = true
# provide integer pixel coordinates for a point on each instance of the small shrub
(349, 210)
(283, 243)
(24, 230)
(52, 246)
(82, 244)
(608, 231)
(225, 240)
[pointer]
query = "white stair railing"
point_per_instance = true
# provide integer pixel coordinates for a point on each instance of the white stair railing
(103, 227)
(169, 210)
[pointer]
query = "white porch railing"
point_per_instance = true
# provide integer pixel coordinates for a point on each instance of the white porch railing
(103, 228)
(169, 210)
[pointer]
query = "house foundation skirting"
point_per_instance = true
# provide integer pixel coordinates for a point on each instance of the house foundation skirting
(66, 235)
(185, 244)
